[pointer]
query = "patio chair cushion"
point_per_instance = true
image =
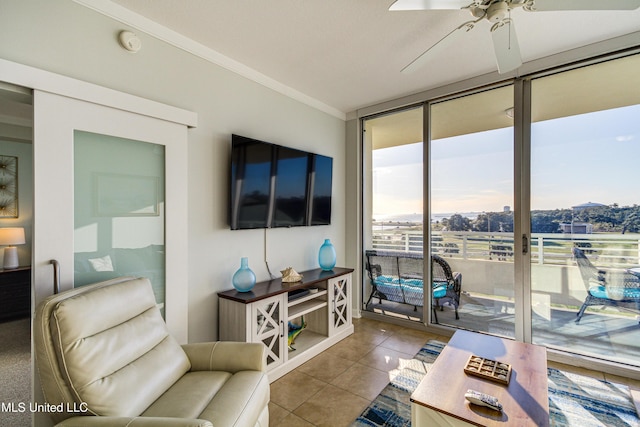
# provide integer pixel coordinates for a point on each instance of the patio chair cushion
(439, 291)
(600, 291)
(389, 287)
(409, 291)
(416, 283)
(396, 281)
(387, 279)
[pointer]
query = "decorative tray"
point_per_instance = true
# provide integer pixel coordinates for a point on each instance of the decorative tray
(488, 369)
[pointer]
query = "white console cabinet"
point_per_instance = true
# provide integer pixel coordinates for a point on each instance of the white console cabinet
(322, 299)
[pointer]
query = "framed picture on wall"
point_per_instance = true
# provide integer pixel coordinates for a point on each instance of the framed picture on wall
(8, 187)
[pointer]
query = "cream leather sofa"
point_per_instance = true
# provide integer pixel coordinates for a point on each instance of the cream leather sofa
(105, 358)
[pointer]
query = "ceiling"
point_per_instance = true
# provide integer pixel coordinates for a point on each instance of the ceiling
(347, 54)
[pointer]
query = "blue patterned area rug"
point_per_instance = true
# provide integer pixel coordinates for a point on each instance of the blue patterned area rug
(574, 400)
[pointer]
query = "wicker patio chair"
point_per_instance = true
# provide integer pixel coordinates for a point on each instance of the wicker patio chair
(607, 288)
(397, 277)
(445, 280)
(382, 268)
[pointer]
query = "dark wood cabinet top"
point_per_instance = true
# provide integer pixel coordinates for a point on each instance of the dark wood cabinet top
(274, 287)
(13, 270)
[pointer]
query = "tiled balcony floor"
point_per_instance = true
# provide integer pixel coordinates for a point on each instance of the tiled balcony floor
(609, 334)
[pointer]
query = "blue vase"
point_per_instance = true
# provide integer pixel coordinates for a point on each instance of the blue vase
(327, 256)
(244, 279)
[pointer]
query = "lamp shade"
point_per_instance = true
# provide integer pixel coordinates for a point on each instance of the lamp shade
(12, 236)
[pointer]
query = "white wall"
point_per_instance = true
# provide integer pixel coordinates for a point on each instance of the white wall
(66, 38)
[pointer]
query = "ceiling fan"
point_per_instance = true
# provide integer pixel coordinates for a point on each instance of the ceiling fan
(498, 12)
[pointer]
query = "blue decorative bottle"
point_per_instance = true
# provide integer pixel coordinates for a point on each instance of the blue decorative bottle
(244, 279)
(327, 256)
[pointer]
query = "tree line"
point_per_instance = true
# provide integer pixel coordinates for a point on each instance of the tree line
(604, 219)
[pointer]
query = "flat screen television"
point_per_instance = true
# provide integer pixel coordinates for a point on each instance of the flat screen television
(274, 186)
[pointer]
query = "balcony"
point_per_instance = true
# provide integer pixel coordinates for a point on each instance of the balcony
(487, 304)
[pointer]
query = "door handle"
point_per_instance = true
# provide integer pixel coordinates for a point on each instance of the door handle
(525, 244)
(56, 275)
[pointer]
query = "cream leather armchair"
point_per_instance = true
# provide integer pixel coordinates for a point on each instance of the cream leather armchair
(105, 358)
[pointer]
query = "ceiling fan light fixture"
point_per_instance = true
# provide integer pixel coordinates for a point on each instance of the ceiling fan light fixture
(498, 11)
(505, 41)
(478, 12)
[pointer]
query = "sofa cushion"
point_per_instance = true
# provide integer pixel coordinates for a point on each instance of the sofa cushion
(189, 396)
(111, 343)
(240, 402)
(224, 399)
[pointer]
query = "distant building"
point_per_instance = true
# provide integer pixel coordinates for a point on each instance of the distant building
(576, 228)
(587, 206)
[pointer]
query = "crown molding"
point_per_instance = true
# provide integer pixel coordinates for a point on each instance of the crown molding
(167, 35)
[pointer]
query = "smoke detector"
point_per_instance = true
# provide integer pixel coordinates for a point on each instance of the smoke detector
(129, 41)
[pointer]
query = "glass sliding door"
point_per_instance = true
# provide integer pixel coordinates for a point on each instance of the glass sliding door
(109, 180)
(552, 157)
(585, 214)
(471, 196)
(109, 200)
(393, 220)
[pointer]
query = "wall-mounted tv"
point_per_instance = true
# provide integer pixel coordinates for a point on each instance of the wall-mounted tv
(275, 186)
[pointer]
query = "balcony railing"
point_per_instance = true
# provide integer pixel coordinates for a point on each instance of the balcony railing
(611, 250)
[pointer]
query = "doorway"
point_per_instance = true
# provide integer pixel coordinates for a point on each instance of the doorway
(16, 214)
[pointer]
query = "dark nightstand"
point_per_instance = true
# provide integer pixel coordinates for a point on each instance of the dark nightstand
(15, 293)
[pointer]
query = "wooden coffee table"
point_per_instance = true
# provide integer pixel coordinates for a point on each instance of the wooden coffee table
(439, 399)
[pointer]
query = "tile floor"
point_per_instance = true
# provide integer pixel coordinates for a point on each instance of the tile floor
(333, 388)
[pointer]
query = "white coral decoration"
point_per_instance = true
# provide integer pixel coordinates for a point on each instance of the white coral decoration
(290, 275)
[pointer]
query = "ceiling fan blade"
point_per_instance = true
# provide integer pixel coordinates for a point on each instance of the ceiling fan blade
(435, 50)
(505, 44)
(429, 4)
(544, 5)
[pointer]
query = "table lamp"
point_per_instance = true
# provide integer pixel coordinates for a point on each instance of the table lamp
(9, 237)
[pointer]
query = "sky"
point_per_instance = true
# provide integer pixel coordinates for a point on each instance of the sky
(591, 157)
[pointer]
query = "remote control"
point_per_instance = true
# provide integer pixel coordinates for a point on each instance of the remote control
(482, 399)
